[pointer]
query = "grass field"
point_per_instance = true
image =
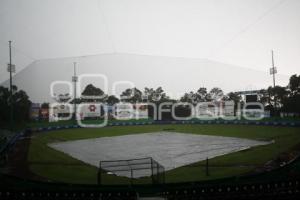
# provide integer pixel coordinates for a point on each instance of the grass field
(57, 166)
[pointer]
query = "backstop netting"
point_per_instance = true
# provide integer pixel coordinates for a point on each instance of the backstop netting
(133, 169)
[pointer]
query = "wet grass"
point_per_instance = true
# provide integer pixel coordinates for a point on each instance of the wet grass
(57, 166)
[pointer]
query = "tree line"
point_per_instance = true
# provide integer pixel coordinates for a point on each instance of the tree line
(278, 98)
(283, 98)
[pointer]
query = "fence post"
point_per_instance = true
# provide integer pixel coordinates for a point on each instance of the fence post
(99, 174)
(152, 178)
(131, 176)
(206, 167)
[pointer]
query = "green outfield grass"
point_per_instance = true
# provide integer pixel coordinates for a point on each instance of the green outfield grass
(57, 166)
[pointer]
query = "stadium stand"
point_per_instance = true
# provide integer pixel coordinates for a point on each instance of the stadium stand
(288, 189)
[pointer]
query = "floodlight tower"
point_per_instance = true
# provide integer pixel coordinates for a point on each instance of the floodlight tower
(74, 80)
(11, 69)
(273, 71)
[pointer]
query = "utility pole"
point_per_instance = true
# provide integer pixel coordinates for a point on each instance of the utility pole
(11, 69)
(75, 79)
(273, 71)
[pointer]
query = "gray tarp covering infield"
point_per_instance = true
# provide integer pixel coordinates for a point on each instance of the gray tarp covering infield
(170, 149)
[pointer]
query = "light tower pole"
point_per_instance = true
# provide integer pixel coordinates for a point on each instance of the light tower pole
(74, 80)
(273, 71)
(11, 69)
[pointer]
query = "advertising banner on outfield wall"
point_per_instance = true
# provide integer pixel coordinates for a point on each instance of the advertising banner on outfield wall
(63, 109)
(122, 111)
(34, 111)
(209, 109)
(125, 111)
(90, 111)
(44, 113)
(60, 112)
(141, 111)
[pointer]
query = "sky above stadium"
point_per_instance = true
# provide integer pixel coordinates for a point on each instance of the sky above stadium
(233, 32)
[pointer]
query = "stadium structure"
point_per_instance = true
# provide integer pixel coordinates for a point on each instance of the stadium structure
(65, 133)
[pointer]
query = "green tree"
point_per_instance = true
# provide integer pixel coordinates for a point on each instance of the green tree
(21, 106)
(215, 94)
(195, 97)
(264, 97)
(45, 105)
(277, 94)
(111, 100)
(294, 84)
(157, 95)
(63, 98)
(189, 97)
(236, 98)
(131, 95)
(292, 102)
(91, 91)
(202, 94)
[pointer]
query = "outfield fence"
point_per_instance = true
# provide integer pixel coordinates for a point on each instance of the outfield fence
(203, 122)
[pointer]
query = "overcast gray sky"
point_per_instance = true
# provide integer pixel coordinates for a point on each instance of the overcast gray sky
(233, 32)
